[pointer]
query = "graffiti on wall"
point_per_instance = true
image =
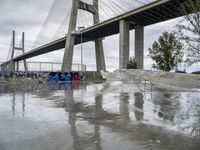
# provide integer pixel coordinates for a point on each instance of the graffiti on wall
(63, 76)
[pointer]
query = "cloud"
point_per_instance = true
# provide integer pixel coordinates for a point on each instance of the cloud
(23, 16)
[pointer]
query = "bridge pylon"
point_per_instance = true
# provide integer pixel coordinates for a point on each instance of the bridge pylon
(69, 47)
(14, 66)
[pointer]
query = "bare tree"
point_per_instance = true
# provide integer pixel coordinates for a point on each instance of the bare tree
(189, 30)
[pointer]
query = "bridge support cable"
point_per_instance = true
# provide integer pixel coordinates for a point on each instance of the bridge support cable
(104, 13)
(127, 4)
(118, 5)
(63, 27)
(40, 37)
(109, 6)
(52, 22)
(140, 2)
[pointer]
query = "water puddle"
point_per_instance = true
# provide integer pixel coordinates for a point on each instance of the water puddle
(103, 116)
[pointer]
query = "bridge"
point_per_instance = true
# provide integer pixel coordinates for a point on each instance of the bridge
(151, 13)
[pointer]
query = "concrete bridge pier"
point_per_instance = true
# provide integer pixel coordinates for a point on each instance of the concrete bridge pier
(17, 66)
(11, 66)
(139, 46)
(124, 27)
(100, 59)
(69, 47)
(124, 41)
(4, 67)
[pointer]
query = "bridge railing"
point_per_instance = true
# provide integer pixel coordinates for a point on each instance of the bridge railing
(48, 66)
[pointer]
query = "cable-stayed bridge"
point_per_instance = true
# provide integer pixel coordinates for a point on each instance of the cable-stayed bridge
(104, 18)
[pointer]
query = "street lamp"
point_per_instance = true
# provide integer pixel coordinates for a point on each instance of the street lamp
(80, 29)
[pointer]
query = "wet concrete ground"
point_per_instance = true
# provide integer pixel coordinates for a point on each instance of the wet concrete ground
(106, 116)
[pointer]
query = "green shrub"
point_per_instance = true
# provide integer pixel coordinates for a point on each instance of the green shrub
(131, 64)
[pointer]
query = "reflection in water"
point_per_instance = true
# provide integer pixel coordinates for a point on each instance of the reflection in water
(66, 85)
(97, 137)
(81, 142)
(92, 127)
(23, 104)
(98, 104)
(168, 105)
(13, 104)
(139, 106)
(124, 107)
(72, 118)
(19, 88)
(98, 112)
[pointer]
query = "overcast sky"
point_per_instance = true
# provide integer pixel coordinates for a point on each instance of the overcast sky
(28, 16)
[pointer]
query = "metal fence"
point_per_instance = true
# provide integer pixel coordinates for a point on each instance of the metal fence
(48, 66)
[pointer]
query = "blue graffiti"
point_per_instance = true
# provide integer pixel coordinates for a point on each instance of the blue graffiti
(63, 76)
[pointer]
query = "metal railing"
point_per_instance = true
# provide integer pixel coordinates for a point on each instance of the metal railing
(48, 66)
(141, 79)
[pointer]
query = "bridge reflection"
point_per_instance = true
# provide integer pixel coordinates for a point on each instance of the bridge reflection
(137, 115)
(67, 85)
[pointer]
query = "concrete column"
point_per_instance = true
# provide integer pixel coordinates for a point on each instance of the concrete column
(100, 59)
(23, 50)
(17, 67)
(12, 66)
(2, 67)
(69, 46)
(124, 27)
(13, 45)
(8, 67)
(139, 46)
(5, 67)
